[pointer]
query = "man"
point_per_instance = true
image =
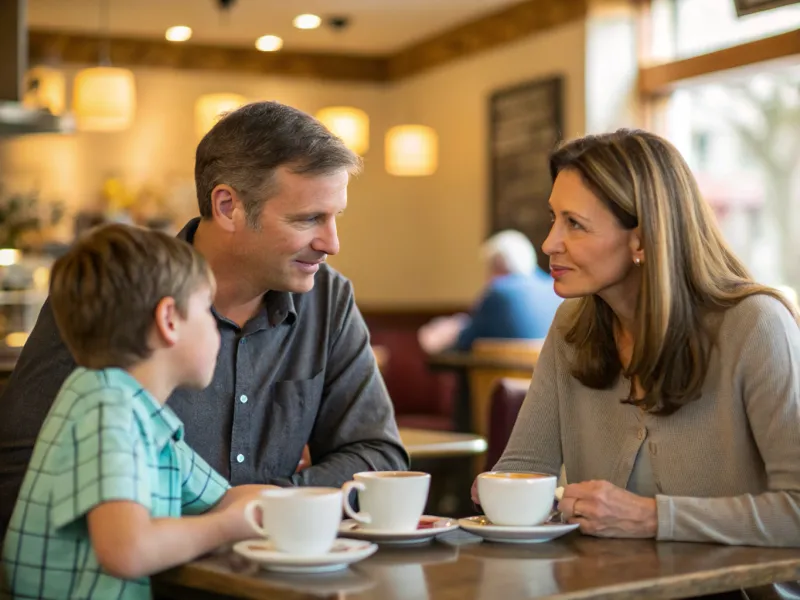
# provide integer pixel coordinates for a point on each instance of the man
(295, 365)
(518, 302)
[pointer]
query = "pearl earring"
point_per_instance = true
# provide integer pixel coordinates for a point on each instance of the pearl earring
(637, 261)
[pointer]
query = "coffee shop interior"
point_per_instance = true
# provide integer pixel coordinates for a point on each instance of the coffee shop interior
(454, 106)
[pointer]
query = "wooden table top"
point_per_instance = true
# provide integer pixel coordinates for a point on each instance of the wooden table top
(458, 566)
(456, 361)
(424, 443)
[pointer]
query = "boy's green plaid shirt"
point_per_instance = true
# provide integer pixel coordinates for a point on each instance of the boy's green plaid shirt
(105, 438)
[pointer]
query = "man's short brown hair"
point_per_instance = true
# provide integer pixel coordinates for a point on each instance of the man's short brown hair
(246, 147)
(105, 289)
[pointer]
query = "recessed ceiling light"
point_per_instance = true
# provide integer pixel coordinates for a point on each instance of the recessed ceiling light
(178, 33)
(307, 21)
(269, 43)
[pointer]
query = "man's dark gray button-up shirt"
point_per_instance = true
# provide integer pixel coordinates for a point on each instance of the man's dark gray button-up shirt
(300, 371)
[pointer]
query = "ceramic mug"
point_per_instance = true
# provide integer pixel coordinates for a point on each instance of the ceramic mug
(303, 521)
(516, 499)
(389, 500)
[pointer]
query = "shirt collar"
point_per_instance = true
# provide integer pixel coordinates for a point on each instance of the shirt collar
(165, 424)
(279, 306)
(187, 233)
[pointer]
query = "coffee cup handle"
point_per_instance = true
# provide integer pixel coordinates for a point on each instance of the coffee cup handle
(361, 517)
(250, 516)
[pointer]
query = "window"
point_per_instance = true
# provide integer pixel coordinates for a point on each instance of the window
(685, 28)
(739, 130)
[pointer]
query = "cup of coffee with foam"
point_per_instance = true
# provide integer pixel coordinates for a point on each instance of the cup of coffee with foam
(302, 521)
(516, 499)
(389, 500)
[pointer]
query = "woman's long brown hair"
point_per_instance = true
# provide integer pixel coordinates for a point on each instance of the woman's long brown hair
(688, 273)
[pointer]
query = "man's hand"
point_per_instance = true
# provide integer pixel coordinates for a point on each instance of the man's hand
(605, 510)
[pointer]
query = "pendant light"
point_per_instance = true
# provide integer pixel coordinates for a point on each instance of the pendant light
(350, 124)
(209, 108)
(104, 97)
(45, 87)
(411, 151)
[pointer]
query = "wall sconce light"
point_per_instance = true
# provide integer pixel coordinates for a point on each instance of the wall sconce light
(411, 151)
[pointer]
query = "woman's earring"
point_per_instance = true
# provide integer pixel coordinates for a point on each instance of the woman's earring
(637, 261)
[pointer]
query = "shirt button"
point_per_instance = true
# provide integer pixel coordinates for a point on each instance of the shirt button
(243, 399)
(240, 458)
(642, 433)
(653, 449)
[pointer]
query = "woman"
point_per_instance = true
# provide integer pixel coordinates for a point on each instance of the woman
(669, 386)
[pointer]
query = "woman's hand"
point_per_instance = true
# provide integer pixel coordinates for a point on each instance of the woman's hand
(604, 510)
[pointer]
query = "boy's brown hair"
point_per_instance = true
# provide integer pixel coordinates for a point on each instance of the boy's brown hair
(105, 289)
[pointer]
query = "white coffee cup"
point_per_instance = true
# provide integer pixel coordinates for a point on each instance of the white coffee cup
(389, 500)
(516, 499)
(303, 521)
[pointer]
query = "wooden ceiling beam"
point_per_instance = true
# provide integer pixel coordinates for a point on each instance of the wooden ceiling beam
(504, 26)
(501, 27)
(54, 46)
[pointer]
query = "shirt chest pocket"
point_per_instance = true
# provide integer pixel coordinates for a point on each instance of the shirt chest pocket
(291, 412)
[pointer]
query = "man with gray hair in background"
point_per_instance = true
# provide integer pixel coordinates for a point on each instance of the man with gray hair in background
(517, 303)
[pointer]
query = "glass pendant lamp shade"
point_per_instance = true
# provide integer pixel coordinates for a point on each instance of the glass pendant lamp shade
(104, 99)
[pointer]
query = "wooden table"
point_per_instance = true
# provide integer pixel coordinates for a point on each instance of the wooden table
(460, 363)
(456, 360)
(450, 459)
(458, 567)
(424, 443)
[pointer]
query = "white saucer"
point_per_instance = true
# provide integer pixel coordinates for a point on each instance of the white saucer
(429, 527)
(515, 535)
(343, 553)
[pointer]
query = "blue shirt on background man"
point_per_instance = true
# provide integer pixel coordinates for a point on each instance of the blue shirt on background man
(514, 306)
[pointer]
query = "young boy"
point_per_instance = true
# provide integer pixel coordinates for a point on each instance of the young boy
(105, 498)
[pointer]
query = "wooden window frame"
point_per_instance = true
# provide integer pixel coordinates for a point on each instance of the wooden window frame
(657, 81)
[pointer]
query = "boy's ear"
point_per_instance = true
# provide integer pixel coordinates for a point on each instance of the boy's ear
(166, 321)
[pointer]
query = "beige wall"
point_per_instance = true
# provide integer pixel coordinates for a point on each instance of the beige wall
(436, 224)
(405, 241)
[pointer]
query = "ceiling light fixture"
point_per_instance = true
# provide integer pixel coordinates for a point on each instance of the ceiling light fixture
(411, 151)
(178, 33)
(104, 97)
(307, 21)
(269, 43)
(209, 108)
(350, 124)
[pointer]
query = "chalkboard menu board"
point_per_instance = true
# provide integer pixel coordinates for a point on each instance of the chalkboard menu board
(525, 124)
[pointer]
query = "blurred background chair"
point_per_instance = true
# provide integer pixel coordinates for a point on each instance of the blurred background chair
(506, 400)
(496, 359)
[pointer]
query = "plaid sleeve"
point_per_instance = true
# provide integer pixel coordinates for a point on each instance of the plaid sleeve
(102, 457)
(202, 487)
